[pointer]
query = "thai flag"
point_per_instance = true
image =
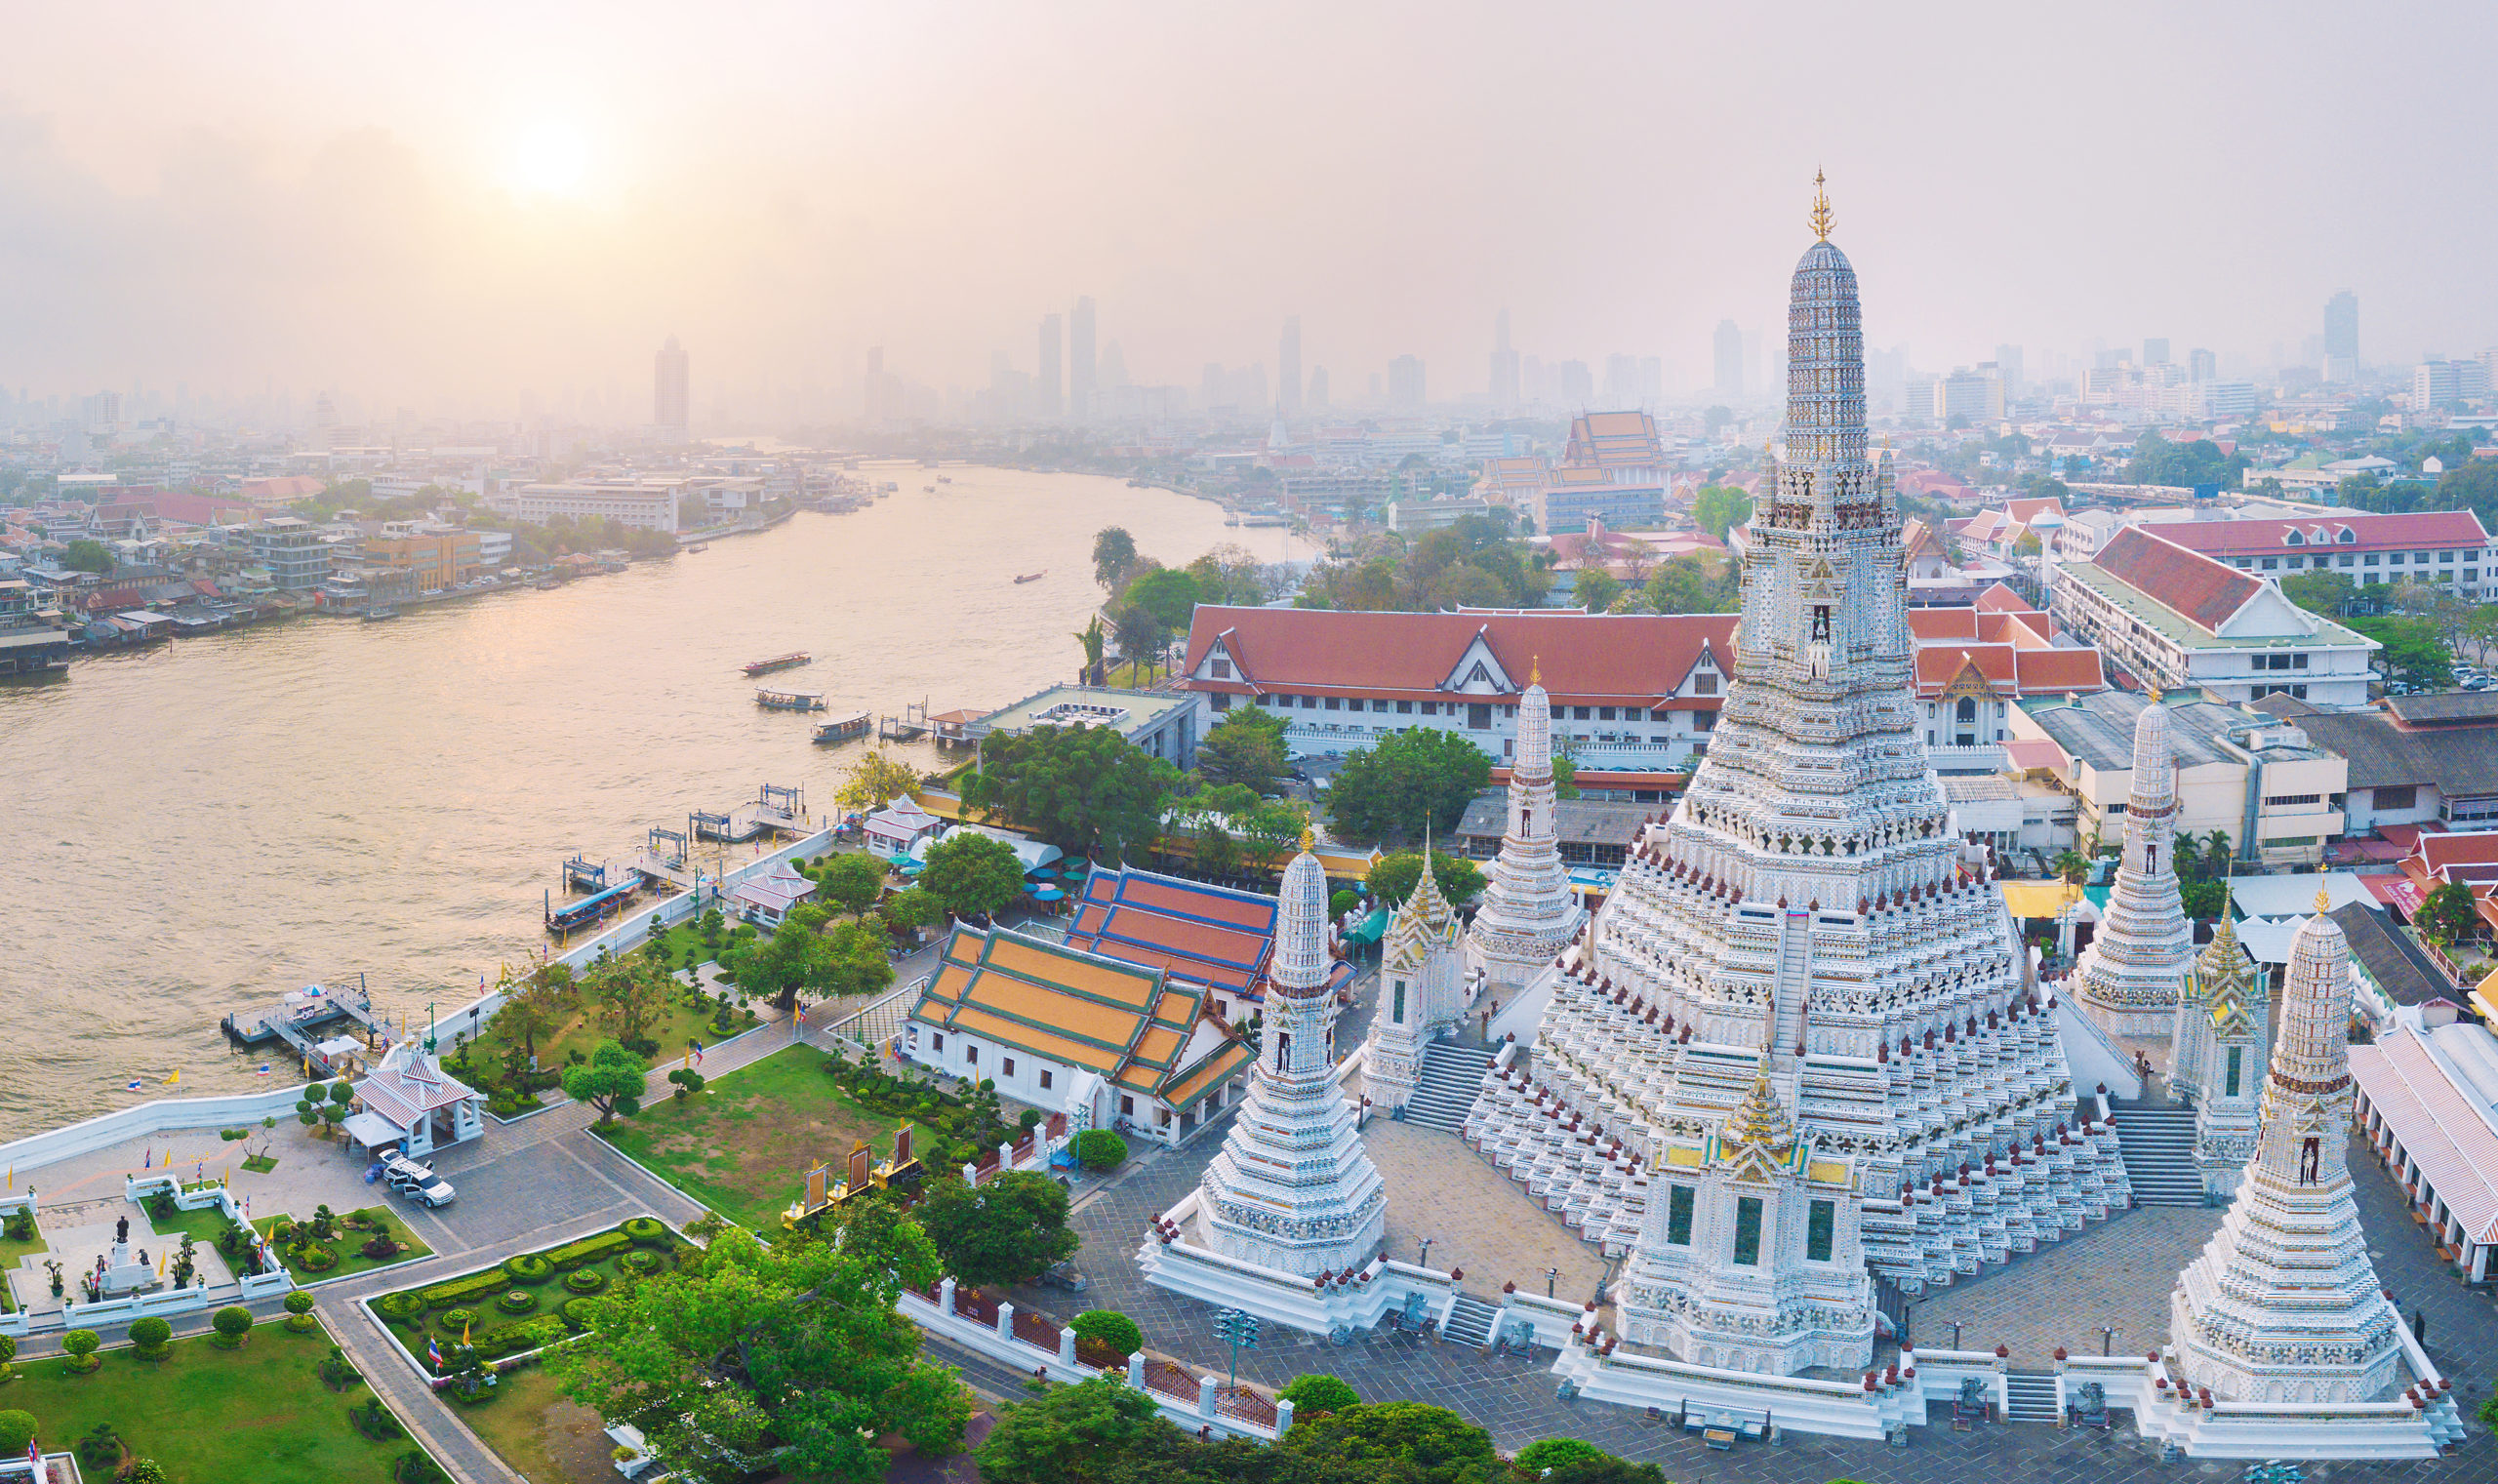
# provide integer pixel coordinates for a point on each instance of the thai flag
(433, 1352)
(263, 1071)
(133, 1085)
(697, 1056)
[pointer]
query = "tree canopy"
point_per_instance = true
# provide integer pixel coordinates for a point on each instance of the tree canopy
(1085, 789)
(1003, 1230)
(1115, 557)
(2321, 591)
(875, 781)
(1389, 790)
(971, 874)
(1690, 583)
(611, 1081)
(1245, 749)
(2414, 654)
(1394, 878)
(2197, 460)
(87, 555)
(754, 1359)
(2448, 914)
(1719, 508)
(1593, 588)
(853, 882)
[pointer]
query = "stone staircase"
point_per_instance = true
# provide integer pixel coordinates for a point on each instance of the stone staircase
(1470, 1322)
(2159, 1143)
(2030, 1396)
(1452, 1074)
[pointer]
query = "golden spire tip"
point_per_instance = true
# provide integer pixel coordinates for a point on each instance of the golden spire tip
(2323, 904)
(1820, 219)
(1308, 840)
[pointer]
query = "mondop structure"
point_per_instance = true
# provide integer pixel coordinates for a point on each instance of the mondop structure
(1795, 1051)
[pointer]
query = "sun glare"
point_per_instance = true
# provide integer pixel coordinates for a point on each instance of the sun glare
(550, 158)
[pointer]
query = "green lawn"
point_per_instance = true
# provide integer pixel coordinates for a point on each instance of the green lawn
(582, 1034)
(743, 1145)
(10, 1249)
(350, 1245)
(545, 1438)
(212, 1416)
(202, 1225)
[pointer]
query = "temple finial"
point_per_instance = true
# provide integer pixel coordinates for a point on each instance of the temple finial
(2323, 904)
(1308, 840)
(1535, 670)
(1821, 217)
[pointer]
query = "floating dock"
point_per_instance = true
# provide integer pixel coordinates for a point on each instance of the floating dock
(315, 1008)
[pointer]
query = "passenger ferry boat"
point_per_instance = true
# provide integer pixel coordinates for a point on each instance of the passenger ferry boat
(788, 661)
(844, 727)
(789, 701)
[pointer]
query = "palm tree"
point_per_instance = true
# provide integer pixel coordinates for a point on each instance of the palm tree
(2071, 866)
(1093, 640)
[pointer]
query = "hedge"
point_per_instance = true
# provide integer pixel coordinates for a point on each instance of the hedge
(528, 1267)
(519, 1300)
(576, 1312)
(586, 1280)
(479, 1285)
(400, 1306)
(588, 1249)
(647, 1230)
(643, 1263)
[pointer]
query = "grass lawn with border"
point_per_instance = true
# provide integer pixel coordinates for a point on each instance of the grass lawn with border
(743, 1145)
(350, 1245)
(203, 1225)
(583, 1032)
(482, 1292)
(545, 1439)
(12, 1249)
(214, 1417)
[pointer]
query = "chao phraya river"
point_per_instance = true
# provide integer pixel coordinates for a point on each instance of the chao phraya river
(203, 825)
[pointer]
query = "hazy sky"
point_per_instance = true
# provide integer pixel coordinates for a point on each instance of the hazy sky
(412, 201)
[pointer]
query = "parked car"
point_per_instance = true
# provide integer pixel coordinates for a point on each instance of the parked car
(430, 1189)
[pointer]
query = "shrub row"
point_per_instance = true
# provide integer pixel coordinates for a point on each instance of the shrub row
(492, 1280)
(588, 1249)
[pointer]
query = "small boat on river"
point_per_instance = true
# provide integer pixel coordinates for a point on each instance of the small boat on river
(789, 701)
(788, 661)
(844, 727)
(1031, 576)
(376, 615)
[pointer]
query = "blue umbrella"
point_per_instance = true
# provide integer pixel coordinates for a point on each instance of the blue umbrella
(1049, 893)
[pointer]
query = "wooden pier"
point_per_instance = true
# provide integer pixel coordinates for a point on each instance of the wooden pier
(300, 1013)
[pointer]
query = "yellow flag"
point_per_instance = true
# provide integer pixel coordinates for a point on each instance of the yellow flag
(463, 1334)
(176, 1077)
(161, 1259)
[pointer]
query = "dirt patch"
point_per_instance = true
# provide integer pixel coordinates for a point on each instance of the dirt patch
(580, 1445)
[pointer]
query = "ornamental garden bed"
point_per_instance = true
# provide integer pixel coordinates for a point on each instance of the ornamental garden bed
(528, 1301)
(258, 1412)
(349, 1248)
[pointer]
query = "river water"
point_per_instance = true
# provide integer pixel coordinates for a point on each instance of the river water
(200, 826)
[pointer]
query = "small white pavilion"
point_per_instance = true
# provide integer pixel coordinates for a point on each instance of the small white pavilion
(410, 1103)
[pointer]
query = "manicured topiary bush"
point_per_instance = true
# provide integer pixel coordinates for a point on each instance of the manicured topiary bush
(401, 1307)
(642, 1262)
(576, 1312)
(233, 1326)
(298, 1313)
(1314, 1395)
(17, 1430)
(588, 1249)
(81, 1345)
(1552, 1453)
(468, 1290)
(317, 1256)
(149, 1337)
(586, 1280)
(1110, 1326)
(380, 1246)
(646, 1230)
(518, 1300)
(528, 1267)
(1099, 1149)
(456, 1321)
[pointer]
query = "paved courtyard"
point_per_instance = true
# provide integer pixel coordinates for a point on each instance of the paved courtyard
(1479, 1219)
(2118, 1272)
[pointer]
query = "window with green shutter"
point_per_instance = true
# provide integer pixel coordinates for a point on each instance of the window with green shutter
(1818, 1224)
(1678, 1216)
(1747, 1231)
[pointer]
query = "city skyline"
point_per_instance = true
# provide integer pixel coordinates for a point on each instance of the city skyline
(358, 235)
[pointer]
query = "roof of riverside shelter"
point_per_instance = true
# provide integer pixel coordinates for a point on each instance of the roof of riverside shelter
(408, 1085)
(1135, 1026)
(1582, 658)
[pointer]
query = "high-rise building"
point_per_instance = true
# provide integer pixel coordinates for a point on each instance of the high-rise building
(1729, 347)
(1288, 366)
(1505, 365)
(2007, 360)
(2155, 352)
(1405, 380)
(2202, 365)
(872, 398)
(1318, 387)
(669, 396)
(1079, 360)
(1578, 384)
(1046, 384)
(2342, 336)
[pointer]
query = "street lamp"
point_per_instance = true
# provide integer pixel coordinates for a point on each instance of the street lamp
(1238, 1328)
(1425, 1261)
(2108, 1334)
(1552, 1276)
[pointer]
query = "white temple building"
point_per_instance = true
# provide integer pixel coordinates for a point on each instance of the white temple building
(2283, 1306)
(1293, 1189)
(2128, 978)
(1527, 914)
(1421, 991)
(2222, 1016)
(1796, 1049)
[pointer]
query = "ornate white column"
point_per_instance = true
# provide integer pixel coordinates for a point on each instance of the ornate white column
(2128, 978)
(2221, 1029)
(1527, 914)
(1292, 1187)
(2284, 1305)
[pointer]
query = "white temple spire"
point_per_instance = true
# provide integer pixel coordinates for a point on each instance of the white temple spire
(1528, 913)
(2128, 978)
